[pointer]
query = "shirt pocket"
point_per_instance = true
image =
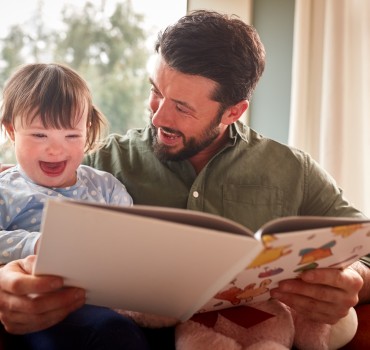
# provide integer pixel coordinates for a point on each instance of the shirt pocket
(252, 205)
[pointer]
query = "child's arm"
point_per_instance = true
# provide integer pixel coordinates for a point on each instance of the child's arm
(119, 194)
(17, 244)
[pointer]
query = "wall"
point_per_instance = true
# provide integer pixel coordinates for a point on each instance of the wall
(270, 105)
(242, 8)
(274, 20)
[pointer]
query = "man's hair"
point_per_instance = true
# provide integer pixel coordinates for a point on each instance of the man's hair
(218, 47)
(55, 93)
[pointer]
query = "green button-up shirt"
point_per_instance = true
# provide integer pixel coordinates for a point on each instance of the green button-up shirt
(251, 180)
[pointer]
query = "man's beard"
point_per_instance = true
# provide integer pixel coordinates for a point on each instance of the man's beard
(191, 147)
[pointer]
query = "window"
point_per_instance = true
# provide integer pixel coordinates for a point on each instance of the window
(109, 42)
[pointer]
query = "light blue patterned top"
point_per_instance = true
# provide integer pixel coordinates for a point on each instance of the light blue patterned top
(22, 202)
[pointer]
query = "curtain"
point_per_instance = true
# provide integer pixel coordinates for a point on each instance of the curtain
(330, 108)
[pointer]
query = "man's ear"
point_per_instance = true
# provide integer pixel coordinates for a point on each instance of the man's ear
(233, 113)
(10, 131)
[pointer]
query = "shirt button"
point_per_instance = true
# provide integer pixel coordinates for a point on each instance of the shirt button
(195, 194)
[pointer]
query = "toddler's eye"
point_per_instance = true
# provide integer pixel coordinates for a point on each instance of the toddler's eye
(38, 135)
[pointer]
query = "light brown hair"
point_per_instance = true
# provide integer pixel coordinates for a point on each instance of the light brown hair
(55, 93)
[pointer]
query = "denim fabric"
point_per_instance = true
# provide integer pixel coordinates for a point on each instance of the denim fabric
(89, 328)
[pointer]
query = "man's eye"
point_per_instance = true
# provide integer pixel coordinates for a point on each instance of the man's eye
(154, 91)
(182, 109)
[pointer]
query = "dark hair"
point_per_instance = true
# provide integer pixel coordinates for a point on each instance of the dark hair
(57, 94)
(218, 47)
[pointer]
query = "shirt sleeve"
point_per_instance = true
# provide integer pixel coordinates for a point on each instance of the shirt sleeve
(366, 260)
(119, 195)
(17, 244)
(322, 194)
(110, 190)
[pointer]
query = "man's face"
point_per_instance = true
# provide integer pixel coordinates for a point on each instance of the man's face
(185, 121)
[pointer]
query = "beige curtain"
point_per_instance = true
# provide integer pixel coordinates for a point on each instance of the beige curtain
(330, 109)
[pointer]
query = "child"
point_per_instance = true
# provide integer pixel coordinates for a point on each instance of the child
(48, 114)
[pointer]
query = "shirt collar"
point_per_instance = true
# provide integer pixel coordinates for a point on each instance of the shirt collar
(238, 129)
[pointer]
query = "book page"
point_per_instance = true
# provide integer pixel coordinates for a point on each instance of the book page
(300, 223)
(287, 254)
(182, 216)
(138, 263)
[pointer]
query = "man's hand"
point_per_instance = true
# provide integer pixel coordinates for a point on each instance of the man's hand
(322, 295)
(31, 303)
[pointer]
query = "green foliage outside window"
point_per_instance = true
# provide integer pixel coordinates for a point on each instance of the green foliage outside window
(108, 50)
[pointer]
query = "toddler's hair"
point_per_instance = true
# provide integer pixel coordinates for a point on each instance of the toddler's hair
(57, 94)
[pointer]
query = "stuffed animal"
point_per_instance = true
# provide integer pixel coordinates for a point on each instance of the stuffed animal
(265, 325)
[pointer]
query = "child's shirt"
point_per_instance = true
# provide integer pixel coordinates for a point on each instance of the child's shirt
(22, 202)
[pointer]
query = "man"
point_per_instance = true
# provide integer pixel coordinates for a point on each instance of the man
(196, 154)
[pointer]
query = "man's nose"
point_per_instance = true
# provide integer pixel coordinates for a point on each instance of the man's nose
(162, 115)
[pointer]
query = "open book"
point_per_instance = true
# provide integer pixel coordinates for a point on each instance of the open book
(176, 262)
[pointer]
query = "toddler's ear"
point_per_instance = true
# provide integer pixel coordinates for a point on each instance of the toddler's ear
(10, 131)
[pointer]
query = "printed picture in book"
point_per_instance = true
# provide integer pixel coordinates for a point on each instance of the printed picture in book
(283, 257)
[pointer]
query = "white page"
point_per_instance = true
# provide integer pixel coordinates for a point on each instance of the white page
(138, 263)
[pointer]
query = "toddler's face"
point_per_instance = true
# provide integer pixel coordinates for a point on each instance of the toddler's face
(49, 157)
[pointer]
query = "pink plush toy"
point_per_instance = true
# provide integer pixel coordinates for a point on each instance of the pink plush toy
(265, 325)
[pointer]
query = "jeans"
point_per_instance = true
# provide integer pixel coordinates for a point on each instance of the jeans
(89, 328)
